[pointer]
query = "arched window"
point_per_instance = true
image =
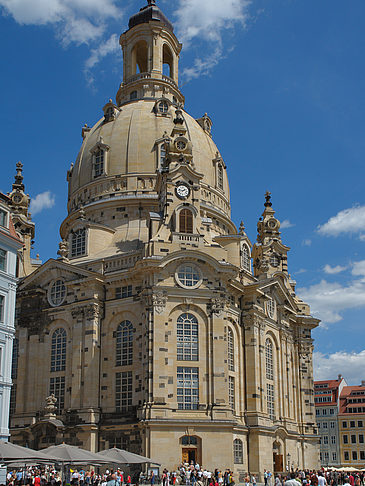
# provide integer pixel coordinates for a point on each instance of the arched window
(124, 356)
(78, 243)
(269, 360)
(58, 352)
(270, 390)
(185, 221)
(230, 346)
(238, 451)
(14, 362)
(140, 57)
(133, 95)
(245, 258)
(168, 62)
(187, 338)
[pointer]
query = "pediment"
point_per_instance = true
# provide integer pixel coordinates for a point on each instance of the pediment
(276, 288)
(54, 269)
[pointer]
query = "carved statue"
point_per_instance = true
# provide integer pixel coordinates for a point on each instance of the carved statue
(63, 251)
(50, 407)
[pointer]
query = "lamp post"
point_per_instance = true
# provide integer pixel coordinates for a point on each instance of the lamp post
(288, 457)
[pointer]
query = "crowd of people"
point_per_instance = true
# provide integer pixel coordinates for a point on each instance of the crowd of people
(189, 475)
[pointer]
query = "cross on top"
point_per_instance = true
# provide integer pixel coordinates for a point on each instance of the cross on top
(268, 203)
(151, 2)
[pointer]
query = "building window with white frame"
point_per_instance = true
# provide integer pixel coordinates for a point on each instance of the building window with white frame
(187, 338)
(78, 243)
(230, 346)
(334, 456)
(124, 345)
(58, 350)
(2, 260)
(123, 391)
(238, 451)
(231, 393)
(2, 308)
(333, 439)
(57, 388)
(187, 388)
(99, 162)
(3, 218)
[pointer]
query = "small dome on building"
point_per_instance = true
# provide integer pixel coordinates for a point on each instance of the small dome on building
(150, 13)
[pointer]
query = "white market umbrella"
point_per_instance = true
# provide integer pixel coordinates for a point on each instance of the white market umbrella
(14, 453)
(69, 454)
(120, 456)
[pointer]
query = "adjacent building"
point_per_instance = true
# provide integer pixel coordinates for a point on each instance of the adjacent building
(351, 420)
(10, 244)
(327, 401)
(161, 327)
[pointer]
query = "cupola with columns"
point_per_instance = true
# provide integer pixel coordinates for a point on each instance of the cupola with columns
(150, 58)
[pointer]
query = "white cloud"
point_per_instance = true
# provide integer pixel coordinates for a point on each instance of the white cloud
(307, 242)
(206, 20)
(329, 300)
(45, 200)
(350, 365)
(286, 224)
(104, 49)
(333, 270)
(358, 268)
(74, 21)
(350, 220)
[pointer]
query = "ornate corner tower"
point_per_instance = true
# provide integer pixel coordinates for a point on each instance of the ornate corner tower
(269, 253)
(23, 223)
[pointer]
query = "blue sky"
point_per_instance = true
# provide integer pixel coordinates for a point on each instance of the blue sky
(283, 82)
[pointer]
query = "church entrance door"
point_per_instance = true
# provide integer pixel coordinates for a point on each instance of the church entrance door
(278, 463)
(189, 456)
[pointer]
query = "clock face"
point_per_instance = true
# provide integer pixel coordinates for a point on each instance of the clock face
(182, 191)
(17, 199)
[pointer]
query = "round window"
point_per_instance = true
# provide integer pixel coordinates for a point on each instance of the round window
(188, 276)
(163, 107)
(181, 145)
(57, 293)
(274, 261)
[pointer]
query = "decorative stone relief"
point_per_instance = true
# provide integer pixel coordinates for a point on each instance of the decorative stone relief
(159, 300)
(217, 305)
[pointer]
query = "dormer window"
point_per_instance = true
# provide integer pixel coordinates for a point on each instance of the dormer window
(163, 107)
(109, 114)
(110, 110)
(100, 154)
(99, 163)
(220, 176)
(3, 218)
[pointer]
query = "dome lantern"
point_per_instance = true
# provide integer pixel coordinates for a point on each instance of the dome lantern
(150, 58)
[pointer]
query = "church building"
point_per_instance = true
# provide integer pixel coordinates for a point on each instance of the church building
(161, 329)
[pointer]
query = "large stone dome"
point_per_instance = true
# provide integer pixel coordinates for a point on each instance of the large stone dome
(132, 140)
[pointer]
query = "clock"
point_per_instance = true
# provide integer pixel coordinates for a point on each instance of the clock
(182, 191)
